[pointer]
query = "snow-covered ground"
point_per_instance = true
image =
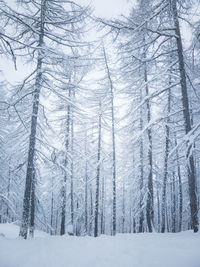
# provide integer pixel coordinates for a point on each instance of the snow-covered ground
(128, 250)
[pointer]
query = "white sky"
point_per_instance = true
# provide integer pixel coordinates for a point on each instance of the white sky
(108, 8)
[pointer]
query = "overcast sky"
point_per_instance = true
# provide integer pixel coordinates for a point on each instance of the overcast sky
(108, 8)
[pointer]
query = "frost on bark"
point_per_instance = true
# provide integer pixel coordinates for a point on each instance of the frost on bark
(113, 144)
(141, 182)
(66, 162)
(32, 211)
(165, 176)
(149, 206)
(32, 140)
(187, 120)
(96, 212)
(86, 185)
(72, 168)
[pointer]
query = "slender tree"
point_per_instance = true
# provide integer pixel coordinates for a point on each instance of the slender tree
(187, 119)
(113, 142)
(96, 216)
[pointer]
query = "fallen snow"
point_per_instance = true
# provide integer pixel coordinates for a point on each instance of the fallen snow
(128, 250)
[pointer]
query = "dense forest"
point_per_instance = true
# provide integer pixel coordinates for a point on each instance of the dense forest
(101, 132)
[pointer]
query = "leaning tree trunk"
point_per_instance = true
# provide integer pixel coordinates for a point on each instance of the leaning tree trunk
(187, 120)
(31, 151)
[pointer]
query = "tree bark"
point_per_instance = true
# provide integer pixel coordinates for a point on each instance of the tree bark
(149, 206)
(141, 182)
(86, 186)
(96, 215)
(173, 204)
(187, 120)
(103, 206)
(72, 168)
(52, 207)
(167, 142)
(32, 141)
(66, 162)
(113, 143)
(32, 212)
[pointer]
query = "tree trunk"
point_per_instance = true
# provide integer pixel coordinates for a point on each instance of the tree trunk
(149, 206)
(72, 170)
(180, 190)
(8, 192)
(52, 207)
(187, 121)
(158, 205)
(32, 212)
(31, 151)
(123, 206)
(86, 200)
(167, 142)
(86, 186)
(113, 144)
(66, 162)
(141, 182)
(103, 206)
(96, 216)
(91, 210)
(173, 204)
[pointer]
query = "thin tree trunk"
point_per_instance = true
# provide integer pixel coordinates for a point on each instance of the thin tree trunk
(8, 192)
(113, 143)
(72, 170)
(173, 203)
(158, 204)
(187, 121)
(96, 216)
(180, 189)
(167, 213)
(149, 206)
(31, 151)
(134, 226)
(103, 207)
(63, 192)
(167, 142)
(32, 211)
(56, 222)
(86, 186)
(86, 200)
(52, 207)
(141, 218)
(91, 210)
(123, 206)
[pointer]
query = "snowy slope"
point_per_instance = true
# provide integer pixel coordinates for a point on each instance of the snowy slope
(128, 250)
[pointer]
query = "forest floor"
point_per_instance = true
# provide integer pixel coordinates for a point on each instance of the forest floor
(123, 250)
